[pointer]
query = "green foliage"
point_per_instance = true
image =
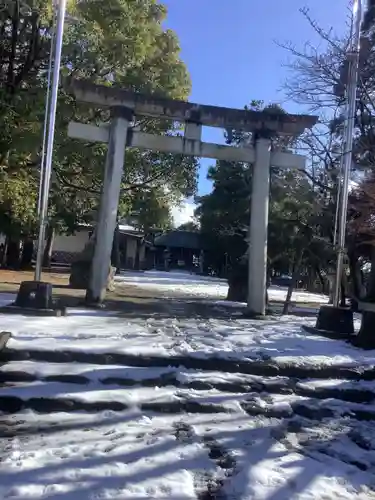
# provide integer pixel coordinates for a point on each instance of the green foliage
(18, 198)
(224, 213)
(151, 209)
(112, 42)
(369, 16)
(191, 226)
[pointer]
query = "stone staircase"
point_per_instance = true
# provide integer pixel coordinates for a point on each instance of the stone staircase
(71, 382)
(50, 381)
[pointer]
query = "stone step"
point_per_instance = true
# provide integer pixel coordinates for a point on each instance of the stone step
(13, 405)
(127, 376)
(264, 368)
(309, 409)
(45, 397)
(83, 373)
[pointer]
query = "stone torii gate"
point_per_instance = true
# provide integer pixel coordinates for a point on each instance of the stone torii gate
(119, 135)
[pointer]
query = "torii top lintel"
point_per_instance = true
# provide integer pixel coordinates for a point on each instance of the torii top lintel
(182, 111)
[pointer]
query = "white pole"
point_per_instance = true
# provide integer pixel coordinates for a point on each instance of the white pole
(353, 59)
(51, 135)
(45, 126)
(338, 201)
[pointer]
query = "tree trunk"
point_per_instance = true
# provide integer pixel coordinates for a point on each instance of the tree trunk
(356, 281)
(115, 254)
(366, 335)
(27, 254)
(343, 293)
(13, 254)
(293, 281)
(321, 279)
(4, 252)
(47, 255)
(331, 287)
(137, 255)
(370, 296)
(238, 284)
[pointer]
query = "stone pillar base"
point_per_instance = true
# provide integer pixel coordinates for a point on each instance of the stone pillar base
(34, 298)
(335, 319)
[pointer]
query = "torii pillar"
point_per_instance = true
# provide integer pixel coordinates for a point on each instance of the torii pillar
(257, 279)
(121, 118)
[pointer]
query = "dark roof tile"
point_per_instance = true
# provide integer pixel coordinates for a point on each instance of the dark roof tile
(179, 239)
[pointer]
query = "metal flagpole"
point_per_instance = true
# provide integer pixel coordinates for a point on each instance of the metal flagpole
(337, 213)
(353, 60)
(45, 126)
(61, 8)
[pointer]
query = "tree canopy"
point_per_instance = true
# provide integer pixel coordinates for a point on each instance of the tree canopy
(113, 42)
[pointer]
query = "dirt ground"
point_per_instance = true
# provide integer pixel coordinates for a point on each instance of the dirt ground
(127, 300)
(11, 280)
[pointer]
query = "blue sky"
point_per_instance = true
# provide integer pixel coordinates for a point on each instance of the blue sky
(230, 51)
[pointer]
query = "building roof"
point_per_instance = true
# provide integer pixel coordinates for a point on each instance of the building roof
(127, 227)
(179, 239)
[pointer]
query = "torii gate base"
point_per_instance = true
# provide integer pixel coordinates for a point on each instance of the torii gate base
(119, 135)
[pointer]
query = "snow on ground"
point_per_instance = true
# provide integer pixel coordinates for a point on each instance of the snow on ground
(187, 284)
(107, 457)
(133, 456)
(279, 294)
(133, 396)
(281, 339)
(175, 283)
(342, 384)
(7, 298)
(84, 382)
(93, 372)
(274, 470)
(275, 439)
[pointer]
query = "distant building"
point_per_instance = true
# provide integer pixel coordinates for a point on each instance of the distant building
(170, 250)
(66, 248)
(134, 247)
(179, 250)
